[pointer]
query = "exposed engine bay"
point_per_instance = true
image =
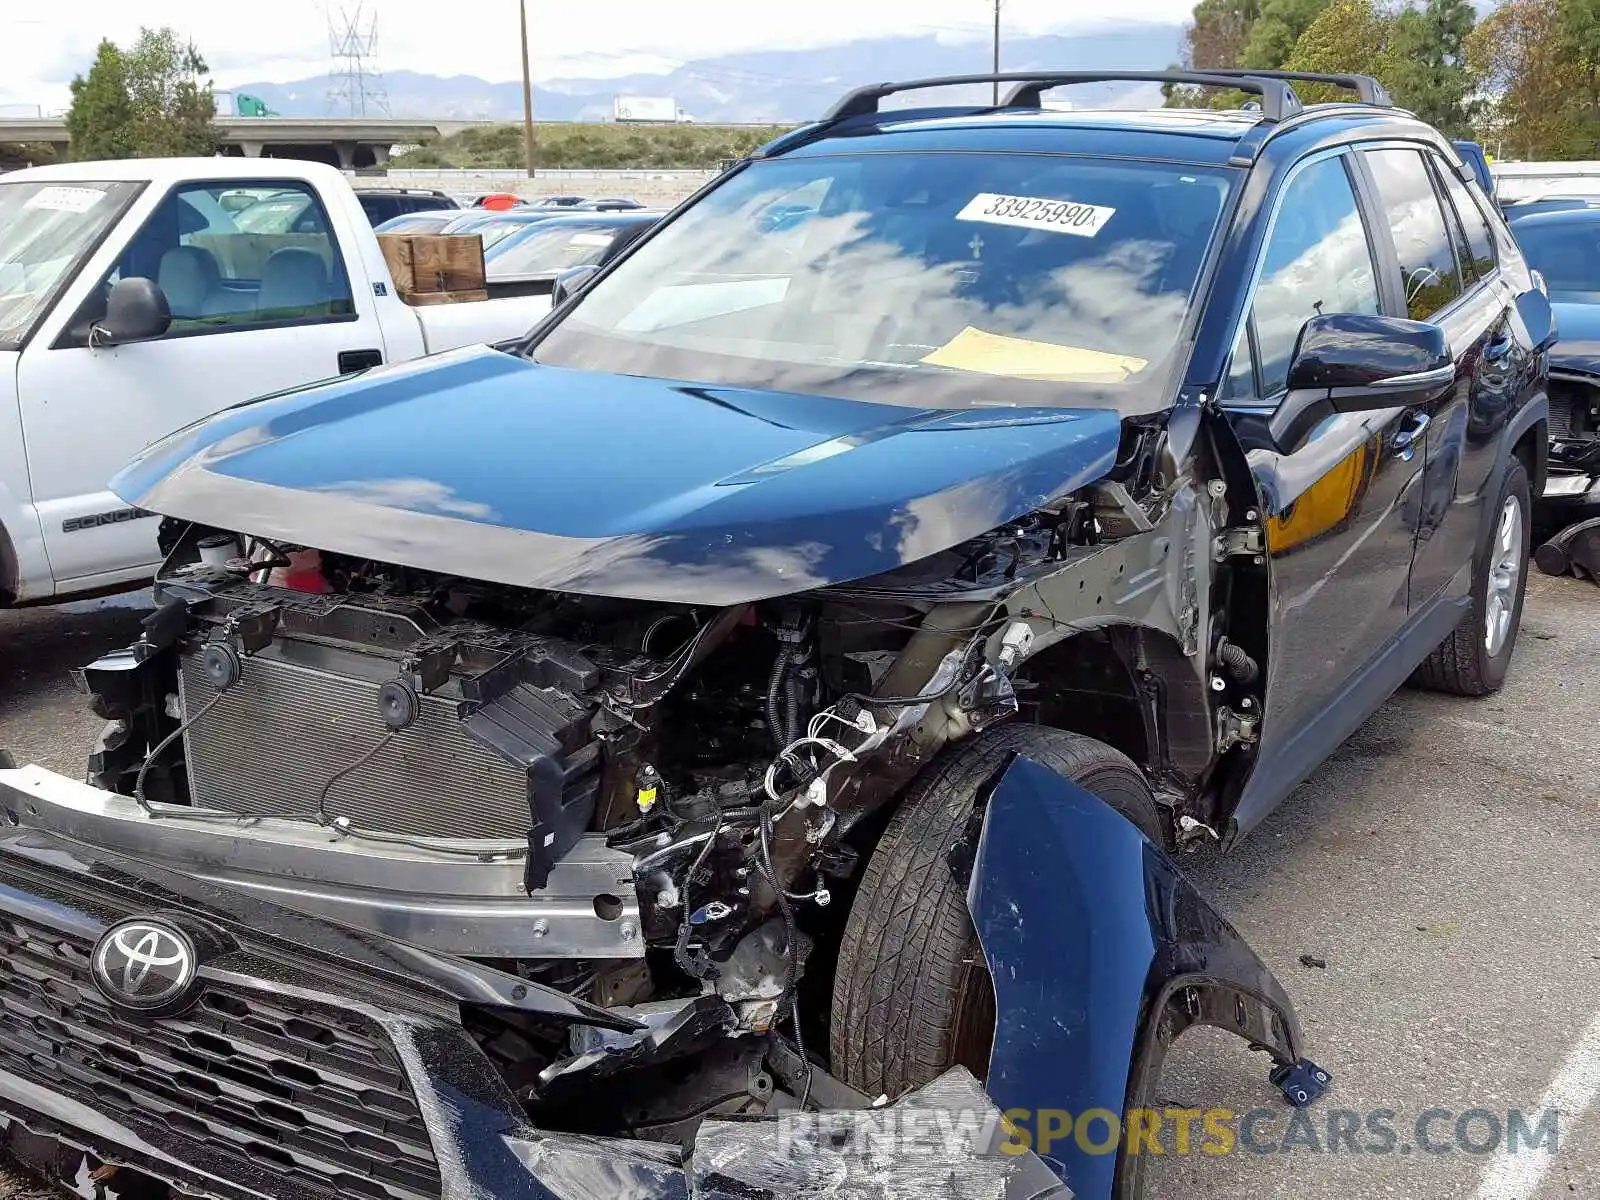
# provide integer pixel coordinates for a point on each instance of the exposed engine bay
(1574, 425)
(649, 806)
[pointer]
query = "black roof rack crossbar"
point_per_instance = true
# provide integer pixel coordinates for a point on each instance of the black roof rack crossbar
(1367, 89)
(1278, 99)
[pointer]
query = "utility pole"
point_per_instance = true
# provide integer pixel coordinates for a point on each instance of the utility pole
(527, 92)
(997, 52)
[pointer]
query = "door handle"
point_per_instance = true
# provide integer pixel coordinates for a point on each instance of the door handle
(1407, 437)
(359, 360)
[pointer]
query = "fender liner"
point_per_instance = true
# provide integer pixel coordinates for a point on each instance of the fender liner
(1101, 953)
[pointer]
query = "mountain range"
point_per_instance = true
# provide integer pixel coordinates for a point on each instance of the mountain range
(776, 86)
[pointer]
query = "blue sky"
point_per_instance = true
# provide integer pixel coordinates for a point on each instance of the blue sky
(287, 39)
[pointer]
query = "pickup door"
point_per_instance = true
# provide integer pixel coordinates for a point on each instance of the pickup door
(263, 298)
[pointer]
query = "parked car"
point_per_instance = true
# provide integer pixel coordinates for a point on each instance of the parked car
(1472, 155)
(1562, 243)
(291, 211)
(610, 204)
(423, 222)
(536, 254)
(494, 227)
(1517, 182)
(384, 204)
(132, 302)
(766, 685)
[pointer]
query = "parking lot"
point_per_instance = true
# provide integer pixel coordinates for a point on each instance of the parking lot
(1443, 865)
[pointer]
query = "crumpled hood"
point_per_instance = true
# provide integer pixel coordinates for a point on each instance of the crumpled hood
(481, 464)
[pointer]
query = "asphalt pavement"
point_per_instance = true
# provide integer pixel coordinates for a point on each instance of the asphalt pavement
(1440, 874)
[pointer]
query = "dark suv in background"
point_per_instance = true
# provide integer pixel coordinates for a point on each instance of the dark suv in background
(729, 698)
(384, 204)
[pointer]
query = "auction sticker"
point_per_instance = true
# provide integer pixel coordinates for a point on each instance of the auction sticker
(1035, 212)
(66, 199)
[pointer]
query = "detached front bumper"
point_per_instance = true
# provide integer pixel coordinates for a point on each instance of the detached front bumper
(314, 1062)
(308, 1060)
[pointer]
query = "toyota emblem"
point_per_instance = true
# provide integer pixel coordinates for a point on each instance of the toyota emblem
(146, 966)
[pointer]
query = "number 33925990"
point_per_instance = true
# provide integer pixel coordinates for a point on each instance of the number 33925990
(1036, 212)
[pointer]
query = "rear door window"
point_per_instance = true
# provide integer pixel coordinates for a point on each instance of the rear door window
(1428, 269)
(1480, 242)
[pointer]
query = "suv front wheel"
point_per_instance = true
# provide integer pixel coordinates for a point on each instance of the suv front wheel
(911, 996)
(1473, 660)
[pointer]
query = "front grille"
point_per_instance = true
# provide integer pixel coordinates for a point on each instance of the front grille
(272, 742)
(310, 1096)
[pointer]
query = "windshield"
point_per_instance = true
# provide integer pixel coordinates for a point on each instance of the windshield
(542, 250)
(934, 280)
(45, 230)
(278, 213)
(1566, 253)
(495, 232)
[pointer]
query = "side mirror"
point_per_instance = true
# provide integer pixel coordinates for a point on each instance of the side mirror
(1536, 315)
(570, 282)
(1353, 362)
(136, 310)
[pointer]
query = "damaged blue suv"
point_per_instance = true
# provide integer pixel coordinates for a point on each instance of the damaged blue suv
(772, 684)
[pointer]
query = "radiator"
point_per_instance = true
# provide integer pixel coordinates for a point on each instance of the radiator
(1573, 410)
(272, 741)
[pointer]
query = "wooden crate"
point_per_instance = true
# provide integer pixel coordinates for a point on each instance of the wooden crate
(447, 297)
(445, 267)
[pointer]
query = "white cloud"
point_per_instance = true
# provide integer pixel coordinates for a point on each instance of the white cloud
(288, 39)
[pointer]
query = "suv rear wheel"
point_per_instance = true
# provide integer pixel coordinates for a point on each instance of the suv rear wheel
(1473, 660)
(911, 996)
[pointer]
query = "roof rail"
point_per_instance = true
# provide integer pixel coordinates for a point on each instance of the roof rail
(1367, 89)
(1278, 99)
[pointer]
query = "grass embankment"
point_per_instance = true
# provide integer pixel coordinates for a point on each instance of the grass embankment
(593, 146)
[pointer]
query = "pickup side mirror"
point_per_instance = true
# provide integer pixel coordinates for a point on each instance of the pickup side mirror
(136, 310)
(1354, 362)
(570, 282)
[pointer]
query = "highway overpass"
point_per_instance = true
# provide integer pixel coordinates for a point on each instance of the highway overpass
(348, 142)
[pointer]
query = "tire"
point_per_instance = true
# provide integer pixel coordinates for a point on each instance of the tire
(911, 994)
(1464, 663)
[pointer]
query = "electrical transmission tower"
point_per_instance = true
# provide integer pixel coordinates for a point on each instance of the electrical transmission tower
(355, 86)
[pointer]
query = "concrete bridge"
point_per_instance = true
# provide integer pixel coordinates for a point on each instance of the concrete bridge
(347, 142)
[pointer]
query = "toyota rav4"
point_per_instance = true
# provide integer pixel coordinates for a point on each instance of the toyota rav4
(717, 702)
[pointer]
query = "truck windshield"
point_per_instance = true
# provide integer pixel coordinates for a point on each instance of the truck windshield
(926, 279)
(45, 230)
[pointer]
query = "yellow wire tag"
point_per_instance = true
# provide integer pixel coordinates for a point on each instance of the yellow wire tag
(647, 799)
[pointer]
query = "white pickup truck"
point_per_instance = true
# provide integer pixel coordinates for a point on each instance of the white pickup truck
(139, 296)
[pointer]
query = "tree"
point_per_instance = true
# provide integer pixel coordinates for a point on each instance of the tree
(100, 121)
(1542, 98)
(145, 102)
(1347, 36)
(1578, 23)
(1217, 35)
(172, 106)
(1275, 32)
(1240, 33)
(1429, 72)
(1214, 37)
